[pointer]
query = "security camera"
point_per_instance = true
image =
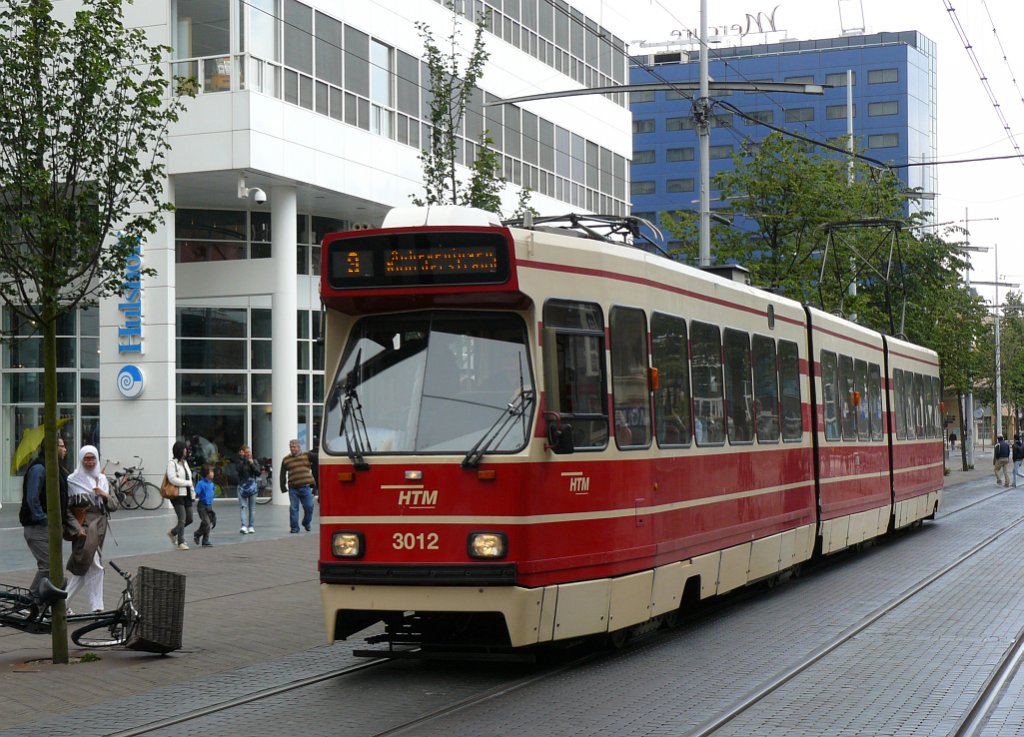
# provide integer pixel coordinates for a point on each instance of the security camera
(258, 195)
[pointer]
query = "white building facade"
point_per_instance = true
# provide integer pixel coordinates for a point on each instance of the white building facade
(309, 119)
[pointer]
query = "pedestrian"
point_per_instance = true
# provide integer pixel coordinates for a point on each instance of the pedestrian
(204, 505)
(297, 480)
(180, 475)
(1001, 460)
(87, 500)
(952, 441)
(1018, 457)
(248, 473)
(32, 514)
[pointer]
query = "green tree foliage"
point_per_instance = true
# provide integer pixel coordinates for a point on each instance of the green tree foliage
(1011, 351)
(84, 112)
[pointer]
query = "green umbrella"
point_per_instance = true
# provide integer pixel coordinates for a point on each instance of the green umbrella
(31, 439)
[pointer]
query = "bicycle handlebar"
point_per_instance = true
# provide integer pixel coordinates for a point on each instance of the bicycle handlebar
(117, 568)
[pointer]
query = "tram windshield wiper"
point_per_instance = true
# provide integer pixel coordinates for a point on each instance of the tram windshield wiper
(520, 408)
(353, 426)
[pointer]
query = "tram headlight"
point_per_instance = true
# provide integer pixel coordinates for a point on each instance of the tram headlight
(347, 544)
(487, 545)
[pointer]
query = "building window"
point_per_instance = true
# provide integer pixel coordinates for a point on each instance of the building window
(679, 124)
(679, 154)
(642, 96)
(884, 108)
(837, 112)
(884, 140)
(800, 115)
(643, 126)
(638, 188)
(679, 185)
(721, 152)
(759, 116)
(801, 79)
(643, 157)
(881, 76)
(678, 95)
(839, 79)
(720, 121)
(221, 235)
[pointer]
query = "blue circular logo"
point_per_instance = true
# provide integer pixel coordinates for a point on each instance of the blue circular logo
(130, 381)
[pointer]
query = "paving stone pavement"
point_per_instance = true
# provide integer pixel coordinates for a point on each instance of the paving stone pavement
(252, 621)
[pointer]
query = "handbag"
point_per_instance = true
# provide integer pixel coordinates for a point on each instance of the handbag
(167, 489)
(247, 488)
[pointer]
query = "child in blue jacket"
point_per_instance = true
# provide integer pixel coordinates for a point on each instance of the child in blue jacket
(204, 499)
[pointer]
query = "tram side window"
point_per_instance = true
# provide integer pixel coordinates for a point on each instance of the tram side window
(739, 390)
(899, 391)
(631, 399)
(706, 370)
(875, 400)
(918, 401)
(575, 385)
(860, 385)
(929, 406)
(789, 380)
(828, 395)
(937, 390)
(766, 389)
(845, 397)
(672, 397)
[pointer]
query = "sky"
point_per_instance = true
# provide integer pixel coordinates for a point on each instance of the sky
(990, 193)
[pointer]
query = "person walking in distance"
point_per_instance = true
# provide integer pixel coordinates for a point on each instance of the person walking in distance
(298, 482)
(248, 473)
(32, 513)
(179, 474)
(1001, 460)
(1018, 457)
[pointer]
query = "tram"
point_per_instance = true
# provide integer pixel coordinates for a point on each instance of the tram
(539, 432)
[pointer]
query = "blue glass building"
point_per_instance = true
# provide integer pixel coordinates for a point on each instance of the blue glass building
(894, 102)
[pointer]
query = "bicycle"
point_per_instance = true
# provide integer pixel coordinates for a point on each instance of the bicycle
(21, 610)
(265, 481)
(133, 491)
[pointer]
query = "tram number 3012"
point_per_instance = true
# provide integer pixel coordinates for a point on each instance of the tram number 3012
(415, 541)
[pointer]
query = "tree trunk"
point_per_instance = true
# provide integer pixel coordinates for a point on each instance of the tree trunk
(963, 431)
(59, 631)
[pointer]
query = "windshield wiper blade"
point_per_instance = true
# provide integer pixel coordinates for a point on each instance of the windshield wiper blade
(520, 407)
(357, 440)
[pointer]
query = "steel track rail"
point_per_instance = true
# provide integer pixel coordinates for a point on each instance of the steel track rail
(242, 700)
(774, 684)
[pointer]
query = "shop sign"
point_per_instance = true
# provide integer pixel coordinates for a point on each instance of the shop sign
(129, 329)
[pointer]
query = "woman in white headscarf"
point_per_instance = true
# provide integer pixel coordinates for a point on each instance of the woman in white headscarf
(87, 497)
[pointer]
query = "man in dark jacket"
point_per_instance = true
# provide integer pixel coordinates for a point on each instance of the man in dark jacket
(1018, 456)
(1001, 461)
(33, 513)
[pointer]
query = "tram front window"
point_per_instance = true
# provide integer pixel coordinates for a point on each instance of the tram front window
(431, 383)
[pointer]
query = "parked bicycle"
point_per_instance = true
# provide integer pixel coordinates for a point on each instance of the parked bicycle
(265, 481)
(133, 491)
(21, 610)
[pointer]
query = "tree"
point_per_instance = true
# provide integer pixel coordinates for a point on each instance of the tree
(452, 87)
(84, 113)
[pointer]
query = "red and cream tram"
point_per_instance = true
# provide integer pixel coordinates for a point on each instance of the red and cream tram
(536, 434)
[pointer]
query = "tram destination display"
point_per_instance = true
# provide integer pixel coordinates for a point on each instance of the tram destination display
(418, 259)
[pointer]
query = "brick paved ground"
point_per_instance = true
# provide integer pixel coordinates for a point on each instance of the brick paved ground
(249, 600)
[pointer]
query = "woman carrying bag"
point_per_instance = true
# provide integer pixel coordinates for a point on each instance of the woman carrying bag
(179, 475)
(88, 492)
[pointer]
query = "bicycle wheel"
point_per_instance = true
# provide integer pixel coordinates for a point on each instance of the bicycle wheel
(126, 495)
(104, 632)
(151, 498)
(264, 494)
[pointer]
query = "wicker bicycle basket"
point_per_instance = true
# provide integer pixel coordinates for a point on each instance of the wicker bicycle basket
(160, 599)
